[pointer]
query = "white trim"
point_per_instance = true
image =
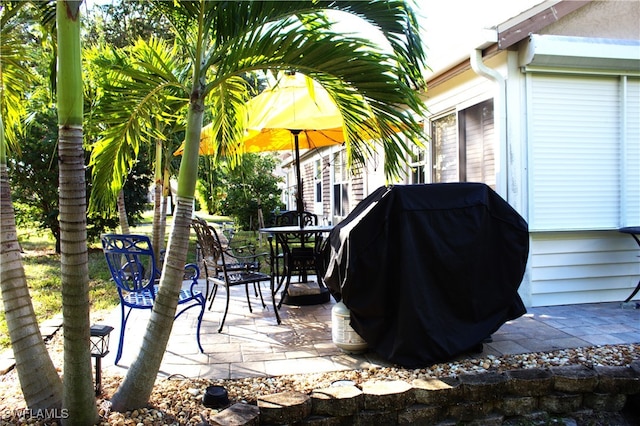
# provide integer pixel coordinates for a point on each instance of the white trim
(581, 52)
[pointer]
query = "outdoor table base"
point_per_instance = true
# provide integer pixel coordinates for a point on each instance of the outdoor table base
(634, 231)
(292, 293)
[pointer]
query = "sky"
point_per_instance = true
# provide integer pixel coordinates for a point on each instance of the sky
(452, 26)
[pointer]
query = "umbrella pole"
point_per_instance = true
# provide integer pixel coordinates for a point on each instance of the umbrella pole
(299, 203)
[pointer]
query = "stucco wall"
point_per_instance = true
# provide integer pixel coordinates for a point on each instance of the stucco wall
(602, 19)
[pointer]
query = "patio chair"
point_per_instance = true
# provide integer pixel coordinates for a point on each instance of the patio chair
(300, 254)
(132, 264)
(224, 269)
(238, 259)
(291, 218)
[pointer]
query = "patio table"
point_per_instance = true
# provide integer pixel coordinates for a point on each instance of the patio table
(634, 231)
(285, 236)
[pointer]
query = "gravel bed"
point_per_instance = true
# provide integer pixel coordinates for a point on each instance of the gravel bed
(178, 400)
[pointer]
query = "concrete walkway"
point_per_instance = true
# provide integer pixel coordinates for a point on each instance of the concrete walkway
(252, 344)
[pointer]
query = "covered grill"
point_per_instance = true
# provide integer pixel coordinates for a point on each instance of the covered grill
(429, 271)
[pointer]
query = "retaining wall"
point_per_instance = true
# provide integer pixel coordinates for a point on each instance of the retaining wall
(488, 399)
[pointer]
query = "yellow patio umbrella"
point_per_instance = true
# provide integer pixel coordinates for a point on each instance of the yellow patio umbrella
(296, 113)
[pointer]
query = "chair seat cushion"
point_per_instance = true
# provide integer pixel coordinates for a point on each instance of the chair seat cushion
(144, 299)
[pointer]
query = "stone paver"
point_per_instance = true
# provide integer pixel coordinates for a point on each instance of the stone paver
(253, 344)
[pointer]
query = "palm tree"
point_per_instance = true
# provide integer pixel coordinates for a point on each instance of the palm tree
(78, 393)
(223, 40)
(39, 380)
(142, 91)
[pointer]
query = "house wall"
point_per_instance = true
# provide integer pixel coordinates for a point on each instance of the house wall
(605, 19)
(582, 267)
(566, 267)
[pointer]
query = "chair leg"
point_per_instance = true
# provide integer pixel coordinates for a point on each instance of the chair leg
(246, 291)
(258, 290)
(214, 290)
(288, 271)
(273, 299)
(123, 326)
(226, 309)
(202, 302)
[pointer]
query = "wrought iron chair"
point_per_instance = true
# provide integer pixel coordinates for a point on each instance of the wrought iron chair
(211, 262)
(297, 254)
(224, 269)
(132, 264)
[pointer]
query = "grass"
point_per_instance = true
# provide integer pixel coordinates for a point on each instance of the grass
(42, 269)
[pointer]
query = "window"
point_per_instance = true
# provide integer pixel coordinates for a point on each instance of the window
(340, 186)
(445, 149)
(462, 145)
(418, 165)
(317, 181)
(317, 187)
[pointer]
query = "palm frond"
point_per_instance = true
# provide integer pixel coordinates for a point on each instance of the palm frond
(16, 77)
(139, 87)
(366, 83)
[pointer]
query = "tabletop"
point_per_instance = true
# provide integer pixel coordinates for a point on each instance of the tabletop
(309, 229)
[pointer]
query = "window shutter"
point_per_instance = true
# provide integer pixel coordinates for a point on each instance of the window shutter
(631, 155)
(575, 158)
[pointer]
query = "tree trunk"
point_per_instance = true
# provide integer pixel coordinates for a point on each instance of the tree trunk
(135, 390)
(157, 233)
(39, 380)
(78, 391)
(122, 213)
(79, 395)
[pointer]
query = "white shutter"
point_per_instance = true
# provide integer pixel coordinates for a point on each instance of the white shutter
(479, 137)
(574, 157)
(631, 155)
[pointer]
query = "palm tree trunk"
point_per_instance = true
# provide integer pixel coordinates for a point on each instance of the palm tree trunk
(166, 195)
(157, 233)
(78, 391)
(122, 213)
(135, 390)
(39, 380)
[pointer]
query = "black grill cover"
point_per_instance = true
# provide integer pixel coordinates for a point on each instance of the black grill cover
(429, 271)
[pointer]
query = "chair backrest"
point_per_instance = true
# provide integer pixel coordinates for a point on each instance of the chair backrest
(211, 246)
(131, 262)
(292, 217)
(210, 250)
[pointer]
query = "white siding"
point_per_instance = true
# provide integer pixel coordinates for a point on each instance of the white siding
(582, 267)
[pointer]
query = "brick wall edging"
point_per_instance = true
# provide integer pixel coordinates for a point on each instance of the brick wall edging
(491, 396)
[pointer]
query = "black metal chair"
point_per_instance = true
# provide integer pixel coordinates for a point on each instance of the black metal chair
(297, 254)
(224, 269)
(132, 264)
